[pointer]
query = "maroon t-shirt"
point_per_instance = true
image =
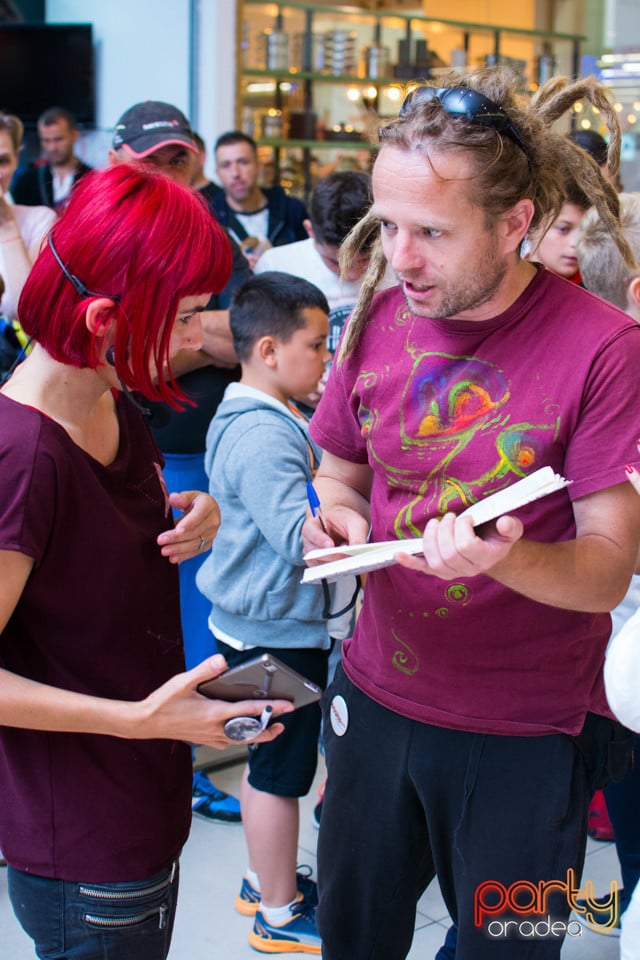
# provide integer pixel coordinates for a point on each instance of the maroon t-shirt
(99, 615)
(445, 412)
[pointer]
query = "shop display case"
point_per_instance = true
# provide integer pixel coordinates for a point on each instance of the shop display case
(314, 80)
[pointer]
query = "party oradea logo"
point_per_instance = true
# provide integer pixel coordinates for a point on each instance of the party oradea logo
(522, 909)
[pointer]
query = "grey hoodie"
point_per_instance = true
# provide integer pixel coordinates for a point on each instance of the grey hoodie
(258, 458)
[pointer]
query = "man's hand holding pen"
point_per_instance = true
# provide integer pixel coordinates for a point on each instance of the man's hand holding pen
(328, 528)
(315, 532)
(314, 505)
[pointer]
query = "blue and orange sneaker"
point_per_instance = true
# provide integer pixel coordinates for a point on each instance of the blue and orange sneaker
(297, 935)
(248, 900)
(213, 804)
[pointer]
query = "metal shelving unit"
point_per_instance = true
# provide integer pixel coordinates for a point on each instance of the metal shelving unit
(283, 79)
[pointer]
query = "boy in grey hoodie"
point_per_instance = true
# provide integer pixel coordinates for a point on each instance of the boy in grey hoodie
(259, 456)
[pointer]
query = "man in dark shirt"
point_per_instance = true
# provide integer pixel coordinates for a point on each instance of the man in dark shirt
(257, 217)
(50, 182)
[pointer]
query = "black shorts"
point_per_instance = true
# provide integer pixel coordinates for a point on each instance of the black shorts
(286, 766)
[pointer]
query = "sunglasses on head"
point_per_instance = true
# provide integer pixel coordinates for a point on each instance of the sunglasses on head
(473, 106)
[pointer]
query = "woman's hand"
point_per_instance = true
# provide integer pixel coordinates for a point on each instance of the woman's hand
(177, 711)
(8, 224)
(195, 531)
(632, 474)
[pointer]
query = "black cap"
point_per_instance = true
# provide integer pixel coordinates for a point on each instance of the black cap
(147, 126)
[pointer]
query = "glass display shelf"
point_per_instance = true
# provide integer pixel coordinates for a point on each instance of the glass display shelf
(305, 68)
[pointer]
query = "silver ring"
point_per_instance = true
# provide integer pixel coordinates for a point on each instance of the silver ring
(203, 543)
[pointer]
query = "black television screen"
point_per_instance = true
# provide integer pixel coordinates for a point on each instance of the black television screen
(47, 65)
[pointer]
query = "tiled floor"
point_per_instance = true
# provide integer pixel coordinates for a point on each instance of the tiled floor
(208, 928)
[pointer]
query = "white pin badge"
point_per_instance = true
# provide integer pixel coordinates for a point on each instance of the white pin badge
(339, 713)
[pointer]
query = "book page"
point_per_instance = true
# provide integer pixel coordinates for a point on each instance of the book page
(365, 557)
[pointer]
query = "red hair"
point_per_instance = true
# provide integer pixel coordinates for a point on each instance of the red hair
(141, 239)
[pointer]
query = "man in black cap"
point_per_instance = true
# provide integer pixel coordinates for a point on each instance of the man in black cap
(159, 135)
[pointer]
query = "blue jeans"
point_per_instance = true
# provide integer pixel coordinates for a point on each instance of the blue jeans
(96, 921)
(623, 804)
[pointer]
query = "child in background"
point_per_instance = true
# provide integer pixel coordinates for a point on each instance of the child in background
(259, 457)
(555, 247)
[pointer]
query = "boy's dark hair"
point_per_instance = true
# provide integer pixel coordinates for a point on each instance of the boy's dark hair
(235, 136)
(270, 304)
(339, 201)
(575, 194)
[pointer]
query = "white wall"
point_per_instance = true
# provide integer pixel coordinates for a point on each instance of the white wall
(214, 111)
(181, 51)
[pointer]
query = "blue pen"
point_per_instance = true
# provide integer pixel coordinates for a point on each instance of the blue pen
(314, 504)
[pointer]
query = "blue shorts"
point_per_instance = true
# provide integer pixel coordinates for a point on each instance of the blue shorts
(286, 766)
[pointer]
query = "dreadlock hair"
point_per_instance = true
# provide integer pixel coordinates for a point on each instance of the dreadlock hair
(573, 193)
(504, 173)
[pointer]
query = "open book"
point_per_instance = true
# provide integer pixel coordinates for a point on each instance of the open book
(364, 557)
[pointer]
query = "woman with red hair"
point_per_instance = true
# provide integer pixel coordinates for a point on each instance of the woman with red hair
(96, 711)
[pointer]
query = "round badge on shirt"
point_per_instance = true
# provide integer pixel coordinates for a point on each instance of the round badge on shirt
(339, 713)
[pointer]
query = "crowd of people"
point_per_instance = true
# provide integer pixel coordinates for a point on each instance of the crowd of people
(191, 359)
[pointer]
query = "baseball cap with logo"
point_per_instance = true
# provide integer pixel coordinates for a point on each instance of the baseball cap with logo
(147, 126)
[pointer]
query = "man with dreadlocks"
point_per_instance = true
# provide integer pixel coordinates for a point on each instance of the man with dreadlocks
(468, 725)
